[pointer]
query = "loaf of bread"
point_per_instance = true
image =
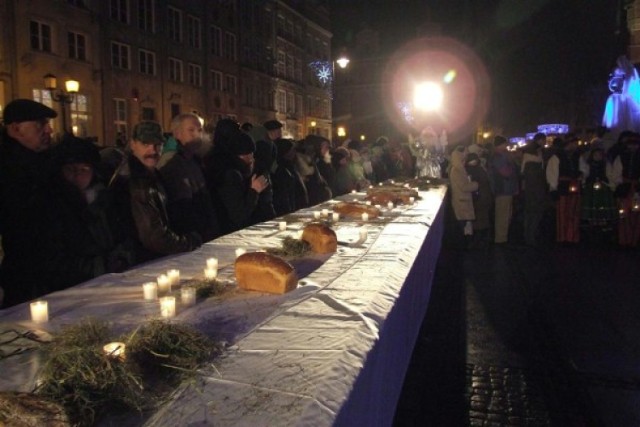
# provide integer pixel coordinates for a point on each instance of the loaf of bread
(264, 272)
(321, 238)
(385, 194)
(355, 210)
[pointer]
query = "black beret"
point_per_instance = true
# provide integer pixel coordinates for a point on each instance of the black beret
(272, 125)
(241, 143)
(76, 150)
(26, 110)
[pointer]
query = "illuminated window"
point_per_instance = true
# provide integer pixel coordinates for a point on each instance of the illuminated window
(40, 36)
(80, 115)
(120, 116)
(77, 46)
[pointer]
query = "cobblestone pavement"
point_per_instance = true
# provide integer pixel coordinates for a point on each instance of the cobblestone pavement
(528, 337)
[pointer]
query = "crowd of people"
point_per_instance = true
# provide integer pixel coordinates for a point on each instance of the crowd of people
(590, 189)
(70, 211)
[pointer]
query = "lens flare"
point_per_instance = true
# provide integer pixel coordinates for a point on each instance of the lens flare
(452, 67)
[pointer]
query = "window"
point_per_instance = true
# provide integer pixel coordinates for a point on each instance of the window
(194, 75)
(120, 117)
(40, 35)
(230, 84)
(146, 15)
(147, 62)
(281, 66)
(120, 55)
(119, 10)
(79, 109)
(43, 96)
(77, 46)
(194, 34)
(229, 48)
(290, 73)
(175, 70)
(216, 41)
(216, 80)
(291, 103)
(175, 109)
(281, 101)
(175, 24)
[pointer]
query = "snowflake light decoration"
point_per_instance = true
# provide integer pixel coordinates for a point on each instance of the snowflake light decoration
(324, 72)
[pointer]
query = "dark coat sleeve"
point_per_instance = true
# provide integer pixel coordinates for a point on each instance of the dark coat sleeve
(238, 200)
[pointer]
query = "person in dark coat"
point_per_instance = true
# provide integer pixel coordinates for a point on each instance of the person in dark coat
(482, 200)
(25, 138)
(189, 206)
(140, 192)
(236, 186)
(344, 182)
(82, 240)
(289, 192)
(535, 191)
(307, 156)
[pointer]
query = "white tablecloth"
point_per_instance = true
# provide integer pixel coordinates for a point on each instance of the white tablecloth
(332, 352)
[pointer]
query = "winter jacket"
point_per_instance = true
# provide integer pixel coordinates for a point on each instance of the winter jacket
(462, 188)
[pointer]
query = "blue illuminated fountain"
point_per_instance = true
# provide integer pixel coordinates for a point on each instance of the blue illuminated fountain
(622, 110)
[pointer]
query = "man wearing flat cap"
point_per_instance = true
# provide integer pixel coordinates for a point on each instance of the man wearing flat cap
(25, 137)
(142, 197)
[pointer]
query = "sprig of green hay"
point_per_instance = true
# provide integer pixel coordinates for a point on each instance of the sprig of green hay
(26, 409)
(78, 374)
(291, 248)
(169, 351)
(206, 289)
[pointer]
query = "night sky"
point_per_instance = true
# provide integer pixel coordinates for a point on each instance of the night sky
(548, 60)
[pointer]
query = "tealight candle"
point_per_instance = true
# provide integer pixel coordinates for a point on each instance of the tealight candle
(406, 185)
(212, 263)
(316, 214)
(368, 203)
(299, 235)
(365, 216)
(380, 184)
(188, 296)
(282, 225)
(363, 234)
(210, 273)
(412, 200)
(164, 284)
(40, 311)
(325, 213)
(240, 251)
(174, 277)
(115, 350)
(392, 181)
(168, 307)
(353, 191)
(150, 290)
(390, 205)
(355, 200)
(335, 216)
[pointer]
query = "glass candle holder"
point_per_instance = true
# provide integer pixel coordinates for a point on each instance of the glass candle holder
(188, 296)
(150, 290)
(168, 307)
(39, 311)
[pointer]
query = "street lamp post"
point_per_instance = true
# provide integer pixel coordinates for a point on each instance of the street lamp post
(342, 62)
(64, 97)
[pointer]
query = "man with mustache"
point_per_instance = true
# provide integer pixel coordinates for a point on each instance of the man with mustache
(140, 188)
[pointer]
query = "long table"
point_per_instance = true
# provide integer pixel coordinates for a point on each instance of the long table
(332, 352)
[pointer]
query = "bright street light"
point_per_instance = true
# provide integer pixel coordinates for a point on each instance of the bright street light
(428, 96)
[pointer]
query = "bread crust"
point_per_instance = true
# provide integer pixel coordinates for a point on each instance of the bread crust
(264, 272)
(355, 210)
(321, 238)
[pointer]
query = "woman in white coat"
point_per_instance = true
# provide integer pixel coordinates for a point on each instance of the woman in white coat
(462, 189)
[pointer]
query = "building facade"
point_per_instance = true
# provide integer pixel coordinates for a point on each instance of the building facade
(153, 59)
